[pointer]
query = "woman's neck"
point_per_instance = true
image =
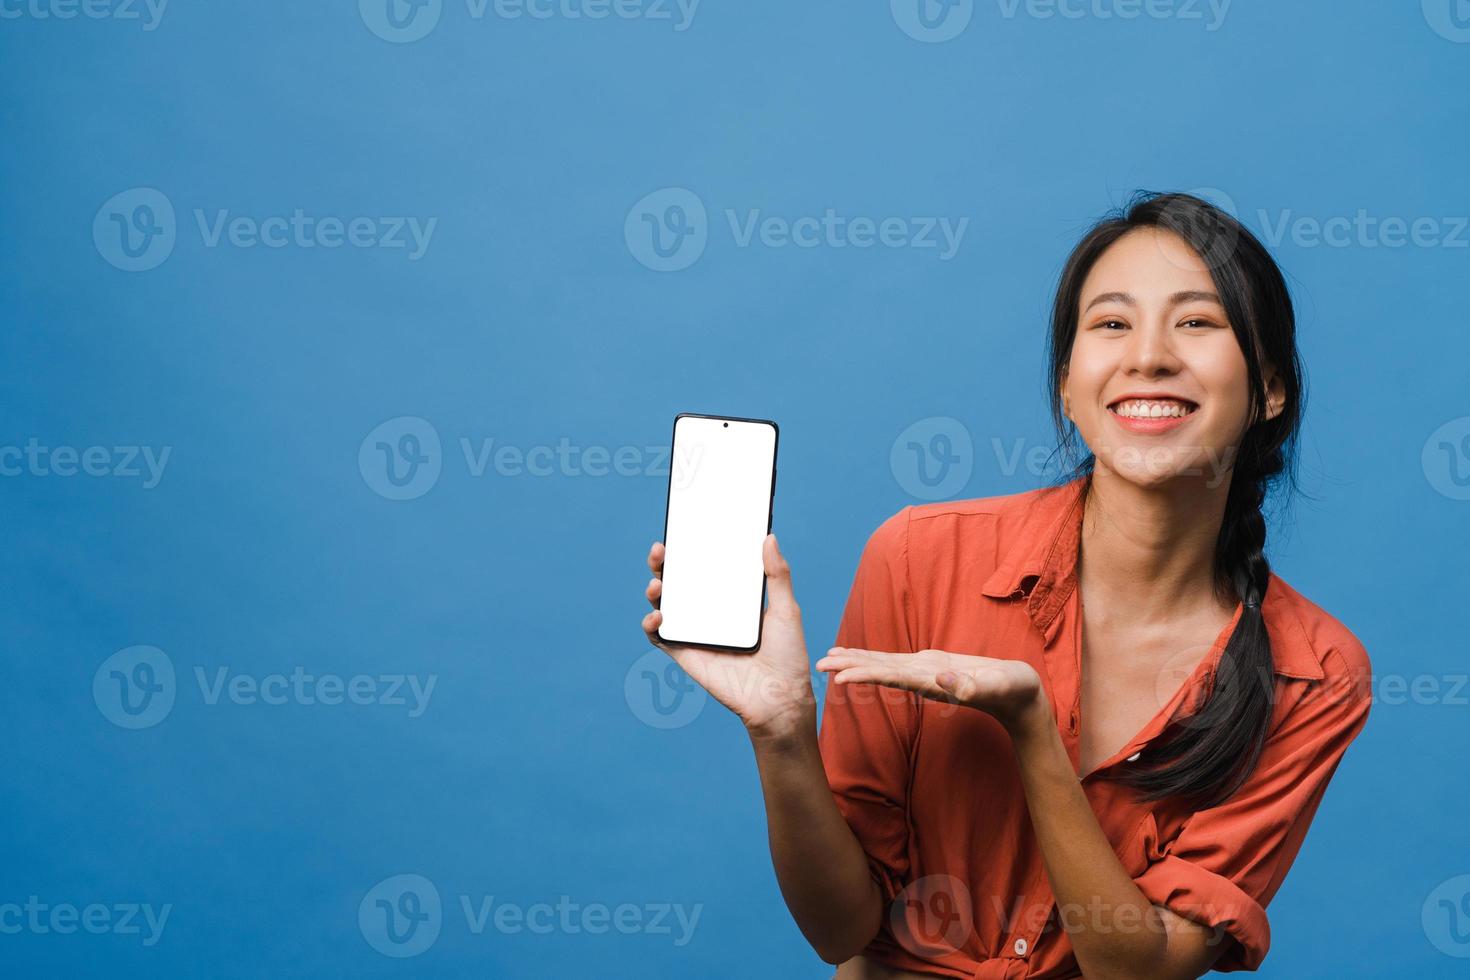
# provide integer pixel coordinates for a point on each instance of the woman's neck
(1151, 550)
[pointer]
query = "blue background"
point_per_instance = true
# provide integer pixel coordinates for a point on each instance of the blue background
(529, 320)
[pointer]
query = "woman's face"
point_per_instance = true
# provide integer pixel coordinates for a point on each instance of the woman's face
(1157, 385)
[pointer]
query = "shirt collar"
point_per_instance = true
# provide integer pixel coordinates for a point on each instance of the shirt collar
(1041, 568)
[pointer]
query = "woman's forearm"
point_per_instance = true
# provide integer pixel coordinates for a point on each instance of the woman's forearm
(1114, 929)
(819, 864)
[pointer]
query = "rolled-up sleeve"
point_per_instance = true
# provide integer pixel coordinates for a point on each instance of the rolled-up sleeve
(868, 732)
(1229, 861)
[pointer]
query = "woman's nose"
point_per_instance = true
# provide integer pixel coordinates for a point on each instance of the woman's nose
(1150, 352)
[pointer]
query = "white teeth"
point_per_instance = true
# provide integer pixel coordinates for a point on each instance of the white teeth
(1137, 408)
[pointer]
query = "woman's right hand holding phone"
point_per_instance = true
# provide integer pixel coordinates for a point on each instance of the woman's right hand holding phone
(770, 690)
(819, 863)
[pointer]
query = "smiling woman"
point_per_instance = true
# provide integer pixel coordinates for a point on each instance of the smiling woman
(1187, 331)
(1080, 730)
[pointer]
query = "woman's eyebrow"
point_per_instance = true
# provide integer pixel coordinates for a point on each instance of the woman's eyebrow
(1195, 295)
(1125, 298)
(1183, 296)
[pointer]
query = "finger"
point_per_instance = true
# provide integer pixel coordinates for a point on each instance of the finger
(923, 687)
(959, 686)
(839, 657)
(902, 680)
(656, 559)
(654, 591)
(651, 622)
(778, 578)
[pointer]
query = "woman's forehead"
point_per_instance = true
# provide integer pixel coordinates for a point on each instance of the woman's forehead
(1148, 264)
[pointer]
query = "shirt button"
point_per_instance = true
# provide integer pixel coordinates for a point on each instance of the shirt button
(1020, 947)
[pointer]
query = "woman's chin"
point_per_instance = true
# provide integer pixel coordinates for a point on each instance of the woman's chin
(1155, 467)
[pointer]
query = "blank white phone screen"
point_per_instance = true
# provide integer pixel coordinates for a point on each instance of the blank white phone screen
(720, 481)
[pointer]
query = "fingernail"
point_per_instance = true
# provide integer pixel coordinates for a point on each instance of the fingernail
(945, 678)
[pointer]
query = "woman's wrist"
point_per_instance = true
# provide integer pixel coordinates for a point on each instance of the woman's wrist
(790, 729)
(1034, 722)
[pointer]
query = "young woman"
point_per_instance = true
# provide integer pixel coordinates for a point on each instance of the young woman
(1082, 730)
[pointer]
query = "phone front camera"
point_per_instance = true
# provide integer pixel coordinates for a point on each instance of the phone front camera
(727, 425)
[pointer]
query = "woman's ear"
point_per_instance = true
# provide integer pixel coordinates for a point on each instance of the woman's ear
(1066, 402)
(1275, 393)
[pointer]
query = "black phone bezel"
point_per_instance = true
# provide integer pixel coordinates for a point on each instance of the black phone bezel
(770, 515)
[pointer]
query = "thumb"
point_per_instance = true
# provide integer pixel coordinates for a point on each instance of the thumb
(961, 687)
(778, 577)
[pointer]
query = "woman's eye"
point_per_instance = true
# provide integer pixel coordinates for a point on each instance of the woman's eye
(1112, 325)
(1197, 323)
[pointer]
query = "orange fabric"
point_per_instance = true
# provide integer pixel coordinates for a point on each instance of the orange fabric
(932, 792)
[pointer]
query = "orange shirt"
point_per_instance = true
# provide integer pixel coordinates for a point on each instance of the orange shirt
(932, 792)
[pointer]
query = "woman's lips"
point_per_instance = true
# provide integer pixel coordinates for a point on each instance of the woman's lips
(1152, 425)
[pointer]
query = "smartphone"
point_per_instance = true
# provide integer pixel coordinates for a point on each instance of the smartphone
(722, 488)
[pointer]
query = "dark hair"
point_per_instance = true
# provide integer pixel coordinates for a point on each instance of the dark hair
(1207, 758)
